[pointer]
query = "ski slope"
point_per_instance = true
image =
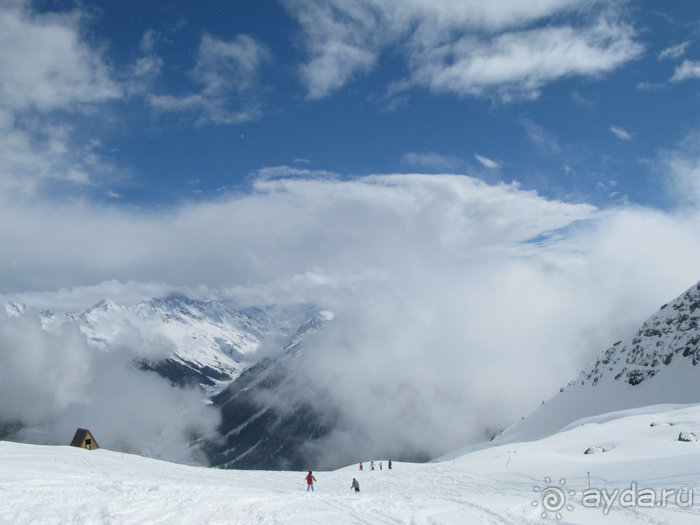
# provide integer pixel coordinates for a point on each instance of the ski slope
(52, 485)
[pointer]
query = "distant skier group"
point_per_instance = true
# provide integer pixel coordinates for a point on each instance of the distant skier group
(355, 484)
(371, 466)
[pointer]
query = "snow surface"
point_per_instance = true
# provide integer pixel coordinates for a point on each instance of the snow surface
(198, 334)
(502, 484)
(658, 364)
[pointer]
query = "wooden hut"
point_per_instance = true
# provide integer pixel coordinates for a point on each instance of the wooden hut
(83, 439)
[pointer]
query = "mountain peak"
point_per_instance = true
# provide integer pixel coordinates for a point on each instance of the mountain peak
(671, 333)
(656, 365)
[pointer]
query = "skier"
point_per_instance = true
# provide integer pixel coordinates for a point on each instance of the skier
(361, 469)
(371, 464)
(310, 482)
(389, 464)
(355, 485)
(380, 465)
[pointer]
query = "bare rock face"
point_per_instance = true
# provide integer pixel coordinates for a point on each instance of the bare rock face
(672, 333)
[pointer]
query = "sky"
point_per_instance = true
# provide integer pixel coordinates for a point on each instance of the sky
(431, 172)
(151, 104)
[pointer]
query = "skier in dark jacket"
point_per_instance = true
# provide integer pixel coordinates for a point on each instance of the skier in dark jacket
(310, 482)
(355, 485)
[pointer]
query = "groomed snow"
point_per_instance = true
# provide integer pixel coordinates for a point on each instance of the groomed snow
(52, 485)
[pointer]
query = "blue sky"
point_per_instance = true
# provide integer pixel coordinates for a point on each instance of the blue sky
(576, 100)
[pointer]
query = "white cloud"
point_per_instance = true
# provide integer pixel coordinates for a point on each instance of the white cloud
(35, 154)
(581, 100)
(54, 382)
(621, 133)
(649, 86)
(146, 68)
(433, 161)
(674, 51)
(435, 282)
(341, 38)
(487, 162)
(28, 358)
(469, 48)
(518, 64)
(687, 70)
(46, 68)
(229, 66)
(542, 138)
(52, 80)
(419, 269)
(228, 72)
(45, 65)
(332, 69)
(86, 244)
(680, 168)
(79, 298)
(287, 172)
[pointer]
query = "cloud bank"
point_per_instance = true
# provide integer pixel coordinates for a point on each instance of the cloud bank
(228, 73)
(458, 305)
(52, 382)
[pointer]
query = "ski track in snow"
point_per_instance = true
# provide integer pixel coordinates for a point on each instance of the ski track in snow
(58, 485)
(63, 486)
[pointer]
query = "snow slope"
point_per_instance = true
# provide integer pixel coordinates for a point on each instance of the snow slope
(660, 363)
(209, 342)
(510, 484)
(257, 433)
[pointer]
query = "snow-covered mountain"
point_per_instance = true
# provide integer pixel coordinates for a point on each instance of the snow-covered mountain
(261, 428)
(660, 363)
(248, 359)
(244, 358)
(206, 342)
(657, 364)
(97, 368)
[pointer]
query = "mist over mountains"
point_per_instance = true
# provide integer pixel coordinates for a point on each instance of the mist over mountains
(304, 236)
(296, 387)
(658, 363)
(140, 374)
(448, 295)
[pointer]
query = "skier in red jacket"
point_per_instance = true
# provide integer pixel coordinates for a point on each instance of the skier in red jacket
(310, 482)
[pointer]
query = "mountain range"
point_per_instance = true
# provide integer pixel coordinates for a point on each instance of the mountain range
(261, 432)
(245, 362)
(191, 342)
